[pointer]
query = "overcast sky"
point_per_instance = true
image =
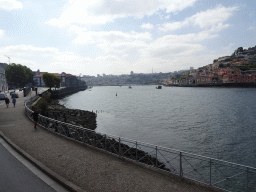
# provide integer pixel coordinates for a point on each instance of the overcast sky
(119, 36)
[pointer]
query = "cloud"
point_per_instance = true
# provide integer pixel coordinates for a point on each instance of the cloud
(251, 28)
(172, 46)
(1, 33)
(110, 36)
(28, 50)
(103, 11)
(10, 4)
(50, 59)
(147, 26)
(35, 57)
(76, 29)
(136, 45)
(204, 19)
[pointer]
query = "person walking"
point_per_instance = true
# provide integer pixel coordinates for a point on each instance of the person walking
(14, 99)
(35, 117)
(7, 101)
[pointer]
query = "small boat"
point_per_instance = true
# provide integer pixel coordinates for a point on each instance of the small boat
(159, 87)
(130, 87)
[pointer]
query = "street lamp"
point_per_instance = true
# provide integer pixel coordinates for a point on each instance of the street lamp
(8, 58)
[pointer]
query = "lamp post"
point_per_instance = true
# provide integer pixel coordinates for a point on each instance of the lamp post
(8, 58)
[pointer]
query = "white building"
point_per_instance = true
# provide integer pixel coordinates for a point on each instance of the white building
(3, 82)
(223, 58)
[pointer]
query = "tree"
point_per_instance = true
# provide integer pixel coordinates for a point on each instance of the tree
(57, 82)
(51, 80)
(240, 49)
(18, 74)
(72, 81)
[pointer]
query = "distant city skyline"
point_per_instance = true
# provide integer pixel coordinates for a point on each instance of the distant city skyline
(119, 36)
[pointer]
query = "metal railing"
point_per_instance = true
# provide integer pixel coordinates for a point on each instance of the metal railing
(26, 91)
(213, 172)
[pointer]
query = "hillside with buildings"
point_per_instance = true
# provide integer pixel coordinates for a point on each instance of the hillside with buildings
(239, 68)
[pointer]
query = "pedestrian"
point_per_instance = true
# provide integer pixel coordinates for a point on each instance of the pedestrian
(7, 101)
(14, 99)
(35, 117)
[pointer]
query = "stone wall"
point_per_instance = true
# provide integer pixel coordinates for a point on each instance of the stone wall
(77, 117)
(57, 94)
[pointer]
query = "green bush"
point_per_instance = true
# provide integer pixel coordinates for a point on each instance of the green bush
(42, 104)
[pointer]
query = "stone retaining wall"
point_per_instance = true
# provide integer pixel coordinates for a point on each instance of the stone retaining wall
(57, 94)
(77, 117)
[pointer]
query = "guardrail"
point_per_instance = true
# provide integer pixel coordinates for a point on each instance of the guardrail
(213, 172)
(26, 91)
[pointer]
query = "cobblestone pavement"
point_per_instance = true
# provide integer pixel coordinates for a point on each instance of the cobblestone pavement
(84, 166)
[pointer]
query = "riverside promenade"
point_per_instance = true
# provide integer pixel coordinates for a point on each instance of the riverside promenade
(82, 167)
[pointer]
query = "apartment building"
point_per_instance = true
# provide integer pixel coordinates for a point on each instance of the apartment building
(3, 81)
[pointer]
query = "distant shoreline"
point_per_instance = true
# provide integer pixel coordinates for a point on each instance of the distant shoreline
(235, 85)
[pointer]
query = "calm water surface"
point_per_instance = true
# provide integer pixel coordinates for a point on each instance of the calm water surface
(214, 122)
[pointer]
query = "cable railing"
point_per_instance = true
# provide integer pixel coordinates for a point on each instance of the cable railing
(209, 171)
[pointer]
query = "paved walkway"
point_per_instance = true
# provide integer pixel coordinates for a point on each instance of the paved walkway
(18, 174)
(90, 169)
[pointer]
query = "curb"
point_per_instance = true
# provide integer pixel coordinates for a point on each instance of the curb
(70, 186)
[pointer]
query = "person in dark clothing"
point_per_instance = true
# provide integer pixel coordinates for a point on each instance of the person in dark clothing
(14, 98)
(7, 101)
(35, 117)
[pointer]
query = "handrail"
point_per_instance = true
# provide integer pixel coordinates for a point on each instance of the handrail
(210, 171)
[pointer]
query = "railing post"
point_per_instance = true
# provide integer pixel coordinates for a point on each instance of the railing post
(93, 139)
(105, 142)
(136, 151)
(119, 147)
(181, 171)
(156, 156)
(247, 179)
(83, 137)
(210, 172)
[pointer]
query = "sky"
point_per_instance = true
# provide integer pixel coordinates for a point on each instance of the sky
(119, 36)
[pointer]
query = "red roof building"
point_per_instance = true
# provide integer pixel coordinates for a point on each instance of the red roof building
(40, 83)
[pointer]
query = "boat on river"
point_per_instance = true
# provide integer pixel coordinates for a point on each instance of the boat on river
(159, 87)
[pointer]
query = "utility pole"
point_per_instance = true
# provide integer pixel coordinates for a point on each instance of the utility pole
(8, 58)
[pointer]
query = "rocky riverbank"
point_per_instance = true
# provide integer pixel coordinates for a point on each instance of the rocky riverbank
(77, 117)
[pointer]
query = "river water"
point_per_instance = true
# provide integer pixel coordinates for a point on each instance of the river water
(214, 122)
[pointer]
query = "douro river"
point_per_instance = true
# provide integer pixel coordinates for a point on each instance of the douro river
(214, 122)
